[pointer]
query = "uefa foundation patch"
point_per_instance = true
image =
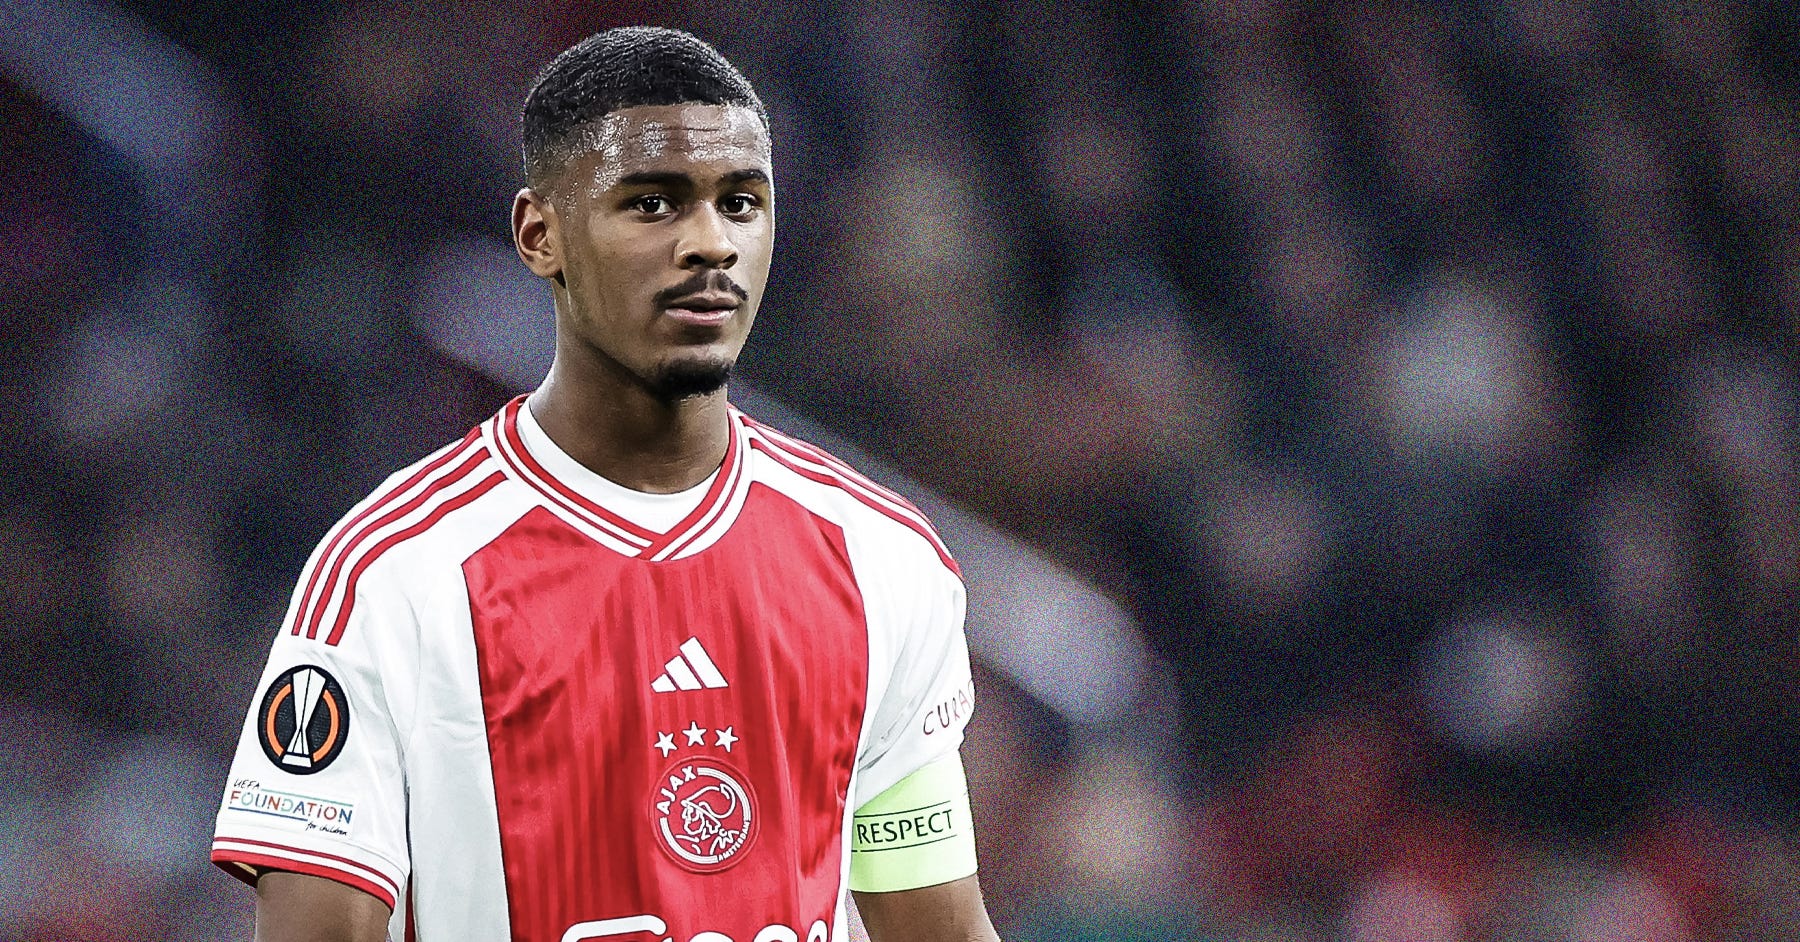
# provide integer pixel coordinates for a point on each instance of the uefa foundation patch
(290, 810)
(304, 720)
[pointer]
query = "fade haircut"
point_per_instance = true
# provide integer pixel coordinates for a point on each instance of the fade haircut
(616, 69)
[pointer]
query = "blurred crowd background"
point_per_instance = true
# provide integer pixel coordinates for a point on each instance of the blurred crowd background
(1415, 380)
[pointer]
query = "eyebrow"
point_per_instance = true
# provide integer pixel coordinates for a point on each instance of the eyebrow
(750, 175)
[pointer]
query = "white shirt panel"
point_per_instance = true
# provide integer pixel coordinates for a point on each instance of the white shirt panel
(451, 806)
(918, 655)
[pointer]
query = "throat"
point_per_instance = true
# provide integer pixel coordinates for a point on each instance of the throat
(653, 446)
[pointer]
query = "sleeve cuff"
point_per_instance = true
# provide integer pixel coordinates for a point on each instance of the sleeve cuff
(247, 859)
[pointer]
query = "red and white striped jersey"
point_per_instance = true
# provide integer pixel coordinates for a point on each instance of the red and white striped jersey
(517, 701)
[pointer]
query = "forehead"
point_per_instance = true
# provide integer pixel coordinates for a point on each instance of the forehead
(700, 141)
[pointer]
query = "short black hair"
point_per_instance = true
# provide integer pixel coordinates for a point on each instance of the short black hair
(622, 68)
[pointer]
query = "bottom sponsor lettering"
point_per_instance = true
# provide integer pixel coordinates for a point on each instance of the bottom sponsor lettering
(819, 931)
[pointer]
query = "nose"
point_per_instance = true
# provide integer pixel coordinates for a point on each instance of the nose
(706, 241)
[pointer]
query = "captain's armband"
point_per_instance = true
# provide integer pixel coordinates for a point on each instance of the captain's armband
(917, 833)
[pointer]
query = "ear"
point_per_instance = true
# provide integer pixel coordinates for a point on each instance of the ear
(535, 235)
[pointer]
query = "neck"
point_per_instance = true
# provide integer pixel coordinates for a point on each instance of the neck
(628, 436)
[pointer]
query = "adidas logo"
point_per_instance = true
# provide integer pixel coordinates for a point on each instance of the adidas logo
(689, 670)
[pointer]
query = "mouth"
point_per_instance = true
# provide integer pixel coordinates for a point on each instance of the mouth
(708, 309)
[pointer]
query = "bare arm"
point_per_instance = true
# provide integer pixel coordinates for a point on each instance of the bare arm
(294, 907)
(948, 912)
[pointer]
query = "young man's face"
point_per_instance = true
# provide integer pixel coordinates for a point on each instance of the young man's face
(662, 231)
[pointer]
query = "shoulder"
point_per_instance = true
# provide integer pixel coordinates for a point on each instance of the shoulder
(429, 496)
(868, 511)
(401, 536)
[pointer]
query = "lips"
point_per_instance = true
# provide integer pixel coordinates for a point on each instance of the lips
(703, 309)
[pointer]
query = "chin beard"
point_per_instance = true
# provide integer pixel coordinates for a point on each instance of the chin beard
(679, 381)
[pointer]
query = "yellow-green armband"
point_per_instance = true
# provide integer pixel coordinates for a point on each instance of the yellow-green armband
(917, 833)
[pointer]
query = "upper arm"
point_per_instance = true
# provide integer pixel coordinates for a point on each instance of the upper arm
(912, 847)
(948, 912)
(317, 786)
(295, 907)
(920, 687)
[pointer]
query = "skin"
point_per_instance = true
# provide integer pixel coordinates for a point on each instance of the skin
(666, 200)
(295, 907)
(948, 912)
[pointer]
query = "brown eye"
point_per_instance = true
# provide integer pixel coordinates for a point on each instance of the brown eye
(653, 205)
(738, 204)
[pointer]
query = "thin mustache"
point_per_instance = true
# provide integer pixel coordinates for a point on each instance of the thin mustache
(704, 281)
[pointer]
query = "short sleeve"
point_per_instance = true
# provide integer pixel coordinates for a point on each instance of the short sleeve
(317, 785)
(929, 695)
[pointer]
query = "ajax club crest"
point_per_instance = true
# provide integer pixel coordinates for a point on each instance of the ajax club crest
(304, 720)
(703, 814)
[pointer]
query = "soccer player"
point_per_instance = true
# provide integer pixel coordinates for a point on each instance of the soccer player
(622, 663)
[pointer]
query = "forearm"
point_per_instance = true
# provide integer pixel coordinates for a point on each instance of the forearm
(294, 907)
(948, 912)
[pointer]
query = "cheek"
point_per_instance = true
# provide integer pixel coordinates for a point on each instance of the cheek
(757, 250)
(616, 271)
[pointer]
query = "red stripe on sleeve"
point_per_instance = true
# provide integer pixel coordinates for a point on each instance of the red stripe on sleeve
(825, 477)
(374, 506)
(821, 456)
(460, 500)
(323, 600)
(339, 869)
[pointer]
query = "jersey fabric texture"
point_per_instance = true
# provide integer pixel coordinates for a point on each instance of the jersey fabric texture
(516, 701)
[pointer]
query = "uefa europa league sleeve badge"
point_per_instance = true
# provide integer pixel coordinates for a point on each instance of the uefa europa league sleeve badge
(304, 720)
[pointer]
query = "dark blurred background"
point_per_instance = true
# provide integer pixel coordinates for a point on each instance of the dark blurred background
(1415, 380)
